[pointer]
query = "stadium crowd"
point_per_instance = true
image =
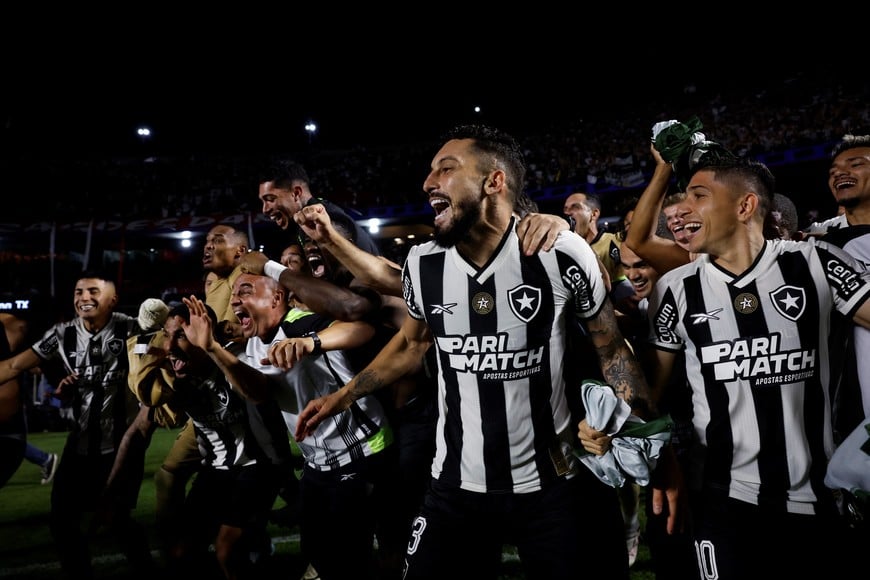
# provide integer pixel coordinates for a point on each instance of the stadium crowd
(604, 151)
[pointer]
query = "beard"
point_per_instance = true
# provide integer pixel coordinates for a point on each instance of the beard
(469, 215)
(849, 202)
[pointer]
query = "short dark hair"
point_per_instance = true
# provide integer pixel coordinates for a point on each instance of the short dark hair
(344, 224)
(183, 311)
(592, 201)
(752, 174)
(284, 173)
(499, 144)
(96, 275)
(850, 142)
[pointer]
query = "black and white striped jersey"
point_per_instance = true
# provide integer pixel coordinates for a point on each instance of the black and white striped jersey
(499, 332)
(102, 404)
(856, 364)
(220, 420)
(757, 358)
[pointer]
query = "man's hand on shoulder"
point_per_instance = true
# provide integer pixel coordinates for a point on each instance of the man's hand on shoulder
(538, 232)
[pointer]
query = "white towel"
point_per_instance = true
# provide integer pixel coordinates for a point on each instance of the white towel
(636, 445)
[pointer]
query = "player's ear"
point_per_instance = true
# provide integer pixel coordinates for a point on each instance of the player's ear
(749, 205)
(495, 181)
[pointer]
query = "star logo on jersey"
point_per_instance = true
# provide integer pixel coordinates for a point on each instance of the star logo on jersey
(525, 301)
(222, 396)
(117, 346)
(482, 303)
(442, 308)
(705, 316)
(746, 303)
(789, 301)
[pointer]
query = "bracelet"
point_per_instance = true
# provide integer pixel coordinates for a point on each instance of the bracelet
(318, 347)
(273, 270)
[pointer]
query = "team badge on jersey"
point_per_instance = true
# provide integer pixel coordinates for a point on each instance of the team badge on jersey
(789, 301)
(483, 303)
(222, 396)
(746, 303)
(117, 346)
(525, 301)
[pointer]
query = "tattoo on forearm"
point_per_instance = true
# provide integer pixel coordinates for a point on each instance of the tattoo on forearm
(366, 382)
(618, 364)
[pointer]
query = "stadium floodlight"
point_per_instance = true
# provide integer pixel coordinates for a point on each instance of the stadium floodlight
(311, 129)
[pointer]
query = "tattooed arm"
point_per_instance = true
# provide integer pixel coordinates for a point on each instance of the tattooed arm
(402, 355)
(619, 366)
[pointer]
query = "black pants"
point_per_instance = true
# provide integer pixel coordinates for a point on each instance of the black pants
(77, 489)
(740, 541)
(344, 507)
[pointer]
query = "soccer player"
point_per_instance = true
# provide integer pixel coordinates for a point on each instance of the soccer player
(849, 182)
(503, 471)
(92, 348)
(752, 317)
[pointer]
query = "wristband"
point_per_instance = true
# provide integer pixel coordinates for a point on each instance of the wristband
(273, 270)
(318, 347)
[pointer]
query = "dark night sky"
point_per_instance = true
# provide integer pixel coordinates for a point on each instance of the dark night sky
(90, 101)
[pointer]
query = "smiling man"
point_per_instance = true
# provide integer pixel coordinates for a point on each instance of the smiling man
(503, 470)
(753, 318)
(284, 189)
(92, 349)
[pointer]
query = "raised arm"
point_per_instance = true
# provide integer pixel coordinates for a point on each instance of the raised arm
(373, 271)
(400, 356)
(661, 253)
(319, 295)
(245, 379)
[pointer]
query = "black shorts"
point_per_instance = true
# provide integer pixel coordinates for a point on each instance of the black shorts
(739, 540)
(570, 529)
(241, 497)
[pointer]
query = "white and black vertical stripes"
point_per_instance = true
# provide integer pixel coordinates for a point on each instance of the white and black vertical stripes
(499, 332)
(220, 420)
(757, 356)
(103, 406)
